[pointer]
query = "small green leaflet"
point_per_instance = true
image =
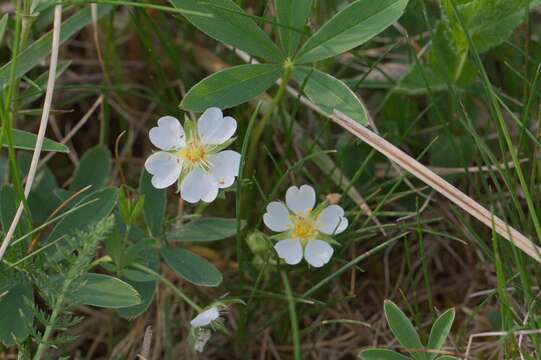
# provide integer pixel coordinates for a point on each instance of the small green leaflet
(229, 24)
(192, 267)
(403, 330)
(353, 26)
(293, 14)
(205, 229)
(231, 87)
(329, 93)
(108, 292)
(25, 140)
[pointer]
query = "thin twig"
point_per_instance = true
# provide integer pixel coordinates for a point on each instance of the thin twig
(42, 127)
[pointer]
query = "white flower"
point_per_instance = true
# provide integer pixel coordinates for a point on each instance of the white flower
(206, 317)
(192, 155)
(304, 228)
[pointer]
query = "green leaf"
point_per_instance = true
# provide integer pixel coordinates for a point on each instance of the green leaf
(192, 267)
(329, 93)
(231, 87)
(403, 330)
(416, 80)
(94, 169)
(32, 93)
(8, 206)
(16, 311)
(146, 290)
(440, 331)
(229, 24)
(108, 292)
(381, 354)
(38, 50)
(205, 229)
(447, 357)
(102, 203)
(293, 14)
(353, 26)
(154, 206)
(489, 22)
(25, 140)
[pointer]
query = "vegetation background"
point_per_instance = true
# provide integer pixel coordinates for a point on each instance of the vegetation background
(453, 83)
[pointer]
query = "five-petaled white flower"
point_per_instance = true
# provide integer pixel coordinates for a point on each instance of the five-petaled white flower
(192, 155)
(304, 228)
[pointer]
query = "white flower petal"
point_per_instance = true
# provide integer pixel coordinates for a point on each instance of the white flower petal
(164, 167)
(289, 250)
(206, 317)
(215, 129)
(331, 220)
(225, 166)
(301, 200)
(168, 135)
(317, 253)
(277, 217)
(198, 185)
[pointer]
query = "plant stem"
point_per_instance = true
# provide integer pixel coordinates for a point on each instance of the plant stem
(293, 317)
(258, 131)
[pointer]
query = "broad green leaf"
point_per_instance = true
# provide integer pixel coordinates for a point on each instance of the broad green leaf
(329, 93)
(229, 24)
(94, 169)
(293, 14)
(381, 354)
(16, 311)
(403, 330)
(440, 331)
(192, 267)
(205, 229)
(155, 202)
(353, 26)
(25, 140)
(102, 203)
(231, 87)
(38, 50)
(108, 292)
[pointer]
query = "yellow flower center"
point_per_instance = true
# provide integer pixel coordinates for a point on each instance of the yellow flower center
(194, 153)
(303, 228)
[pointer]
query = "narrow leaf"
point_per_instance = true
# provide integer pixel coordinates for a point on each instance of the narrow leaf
(192, 267)
(329, 93)
(381, 354)
(353, 26)
(38, 50)
(25, 140)
(231, 87)
(440, 331)
(94, 169)
(229, 24)
(292, 14)
(3, 24)
(403, 330)
(107, 292)
(205, 229)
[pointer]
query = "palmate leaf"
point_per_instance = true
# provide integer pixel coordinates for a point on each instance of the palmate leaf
(231, 87)
(329, 93)
(351, 27)
(38, 50)
(229, 24)
(292, 14)
(25, 140)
